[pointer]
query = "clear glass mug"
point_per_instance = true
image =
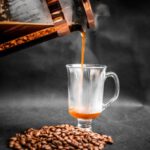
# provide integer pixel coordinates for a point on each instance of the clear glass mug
(85, 92)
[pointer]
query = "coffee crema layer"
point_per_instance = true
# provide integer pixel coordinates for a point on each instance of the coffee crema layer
(79, 115)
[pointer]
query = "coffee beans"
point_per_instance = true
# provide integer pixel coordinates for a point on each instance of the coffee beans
(62, 137)
(27, 38)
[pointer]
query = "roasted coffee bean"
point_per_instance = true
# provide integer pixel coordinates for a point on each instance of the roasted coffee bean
(25, 39)
(63, 137)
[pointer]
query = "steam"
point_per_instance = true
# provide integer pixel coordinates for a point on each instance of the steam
(102, 10)
(114, 30)
(126, 31)
(62, 50)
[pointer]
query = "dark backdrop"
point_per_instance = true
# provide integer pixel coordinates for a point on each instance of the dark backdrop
(33, 82)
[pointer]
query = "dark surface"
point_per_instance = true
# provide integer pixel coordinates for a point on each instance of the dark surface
(127, 123)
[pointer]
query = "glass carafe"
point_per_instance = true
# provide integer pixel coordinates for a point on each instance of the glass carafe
(28, 22)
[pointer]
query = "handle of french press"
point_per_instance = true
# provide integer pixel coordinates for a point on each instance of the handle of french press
(117, 89)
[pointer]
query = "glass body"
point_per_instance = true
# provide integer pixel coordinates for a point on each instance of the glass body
(27, 22)
(85, 92)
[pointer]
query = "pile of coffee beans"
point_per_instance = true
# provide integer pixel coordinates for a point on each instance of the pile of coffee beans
(63, 137)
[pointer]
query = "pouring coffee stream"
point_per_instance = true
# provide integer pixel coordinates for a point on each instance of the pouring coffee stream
(23, 24)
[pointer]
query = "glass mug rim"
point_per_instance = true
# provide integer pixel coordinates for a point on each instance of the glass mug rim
(92, 66)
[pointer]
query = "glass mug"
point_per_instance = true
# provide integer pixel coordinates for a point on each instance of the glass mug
(85, 92)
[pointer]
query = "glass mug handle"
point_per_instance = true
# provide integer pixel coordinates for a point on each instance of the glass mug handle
(117, 90)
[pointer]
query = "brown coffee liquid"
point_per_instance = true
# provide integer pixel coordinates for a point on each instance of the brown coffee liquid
(83, 39)
(78, 115)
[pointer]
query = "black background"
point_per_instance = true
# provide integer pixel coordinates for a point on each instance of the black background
(33, 82)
